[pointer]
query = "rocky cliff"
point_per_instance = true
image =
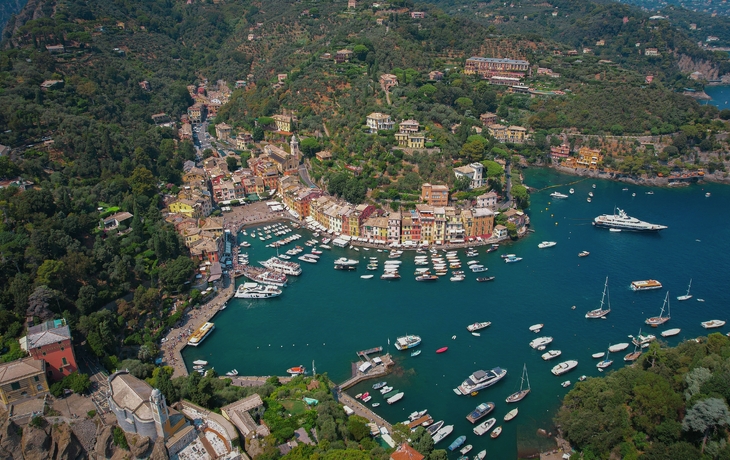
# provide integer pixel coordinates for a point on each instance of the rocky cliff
(709, 69)
(58, 441)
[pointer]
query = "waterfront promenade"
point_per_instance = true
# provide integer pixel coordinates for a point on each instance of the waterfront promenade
(363, 411)
(177, 338)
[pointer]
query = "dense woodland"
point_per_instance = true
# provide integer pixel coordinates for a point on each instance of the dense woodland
(672, 404)
(90, 149)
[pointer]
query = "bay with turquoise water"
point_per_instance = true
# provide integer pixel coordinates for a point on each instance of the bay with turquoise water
(327, 316)
(720, 96)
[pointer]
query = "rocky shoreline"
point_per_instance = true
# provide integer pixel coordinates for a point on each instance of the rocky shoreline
(642, 181)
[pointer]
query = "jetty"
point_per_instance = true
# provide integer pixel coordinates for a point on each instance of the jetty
(364, 353)
(370, 369)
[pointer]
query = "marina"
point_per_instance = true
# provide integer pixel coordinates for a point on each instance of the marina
(320, 321)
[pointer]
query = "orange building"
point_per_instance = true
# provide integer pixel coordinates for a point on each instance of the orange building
(51, 342)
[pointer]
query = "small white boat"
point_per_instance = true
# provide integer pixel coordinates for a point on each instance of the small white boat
(571, 191)
(687, 296)
(551, 354)
(565, 384)
(511, 414)
(232, 373)
(366, 277)
(546, 244)
(618, 347)
(671, 332)
(481, 455)
(588, 199)
(712, 324)
(633, 194)
(598, 355)
(200, 362)
(375, 404)
(476, 334)
(700, 300)
(536, 328)
(615, 230)
(707, 195)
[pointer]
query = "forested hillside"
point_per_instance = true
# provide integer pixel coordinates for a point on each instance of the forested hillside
(672, 404)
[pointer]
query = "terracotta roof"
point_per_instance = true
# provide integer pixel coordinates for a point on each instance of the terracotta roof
(406, 452)
(16, 370)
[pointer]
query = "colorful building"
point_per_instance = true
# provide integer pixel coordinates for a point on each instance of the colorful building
(51, 343)
(22, 379)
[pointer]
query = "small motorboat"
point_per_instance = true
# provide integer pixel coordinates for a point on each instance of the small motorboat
(366, 277)
(484, 279)
(232, 373)
(671, 332)
(442, 349)
(375, 404)
(379, 385)
(565, 384)
(358, 396)
(298, 370)
(367, 398)
(466, 449)
(583, 254)
(496, 432)
(200, 362)
(511, 414)
(476, 334)
(416, 353)
(536, 328)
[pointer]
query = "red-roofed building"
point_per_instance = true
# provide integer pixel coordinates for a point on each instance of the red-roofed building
(51, 342)
(406, 452)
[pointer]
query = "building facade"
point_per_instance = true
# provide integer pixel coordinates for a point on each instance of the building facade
(377, 121)
(435, 195)
(22, 379)
(51, 343)
(488, 67)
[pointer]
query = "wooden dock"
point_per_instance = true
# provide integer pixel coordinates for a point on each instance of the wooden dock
(364, 353)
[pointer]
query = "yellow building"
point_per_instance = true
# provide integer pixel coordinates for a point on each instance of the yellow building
(513, 134)
(411, 141)
(283, 122)
(185, 207)
(21, 379)
(588, 158)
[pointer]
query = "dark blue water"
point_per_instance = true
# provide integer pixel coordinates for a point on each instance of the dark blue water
(720, 96)
(327, 315)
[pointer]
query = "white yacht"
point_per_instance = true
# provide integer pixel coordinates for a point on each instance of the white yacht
(284, 266)
(256, 291)
(558, 195)
(564, 367)
(540, 342)
(481, 379)
(620, 220)
(546, 244)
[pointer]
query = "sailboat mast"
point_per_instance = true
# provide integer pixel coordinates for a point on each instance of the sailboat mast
(527, 376)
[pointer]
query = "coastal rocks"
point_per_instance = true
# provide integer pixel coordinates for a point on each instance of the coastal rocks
(36, 444)
(104, 440)
(139, 446)
(10, 438)
(65, 444)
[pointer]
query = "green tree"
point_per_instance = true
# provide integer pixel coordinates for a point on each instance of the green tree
(174, 274)
(231, 163)
(706, 415)
(521, 196)
(357, 426)
(309, 146)
(360, 52)
(464, 103)
(143, 182)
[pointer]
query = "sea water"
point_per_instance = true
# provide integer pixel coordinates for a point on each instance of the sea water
(326, 315)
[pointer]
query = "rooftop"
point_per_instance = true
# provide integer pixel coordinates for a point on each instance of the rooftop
(16, 370)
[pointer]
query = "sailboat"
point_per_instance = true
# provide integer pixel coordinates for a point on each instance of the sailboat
(634, 355)
(600, 312)
(687, 296)
(661, 319)
(520, 395)
(604, 363)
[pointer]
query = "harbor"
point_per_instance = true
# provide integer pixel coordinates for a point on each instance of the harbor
(328, 315)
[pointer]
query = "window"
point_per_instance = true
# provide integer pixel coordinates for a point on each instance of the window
(61, 348)
(35, 378)
(44, 353)
(15, 386)
(39, 387)
(64, 361)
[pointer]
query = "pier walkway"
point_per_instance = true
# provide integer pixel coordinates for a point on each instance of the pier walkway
(374, 372)
(252, 380)
(363, 411)
(177, 338)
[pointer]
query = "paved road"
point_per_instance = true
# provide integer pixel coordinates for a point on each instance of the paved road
(304, 174)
